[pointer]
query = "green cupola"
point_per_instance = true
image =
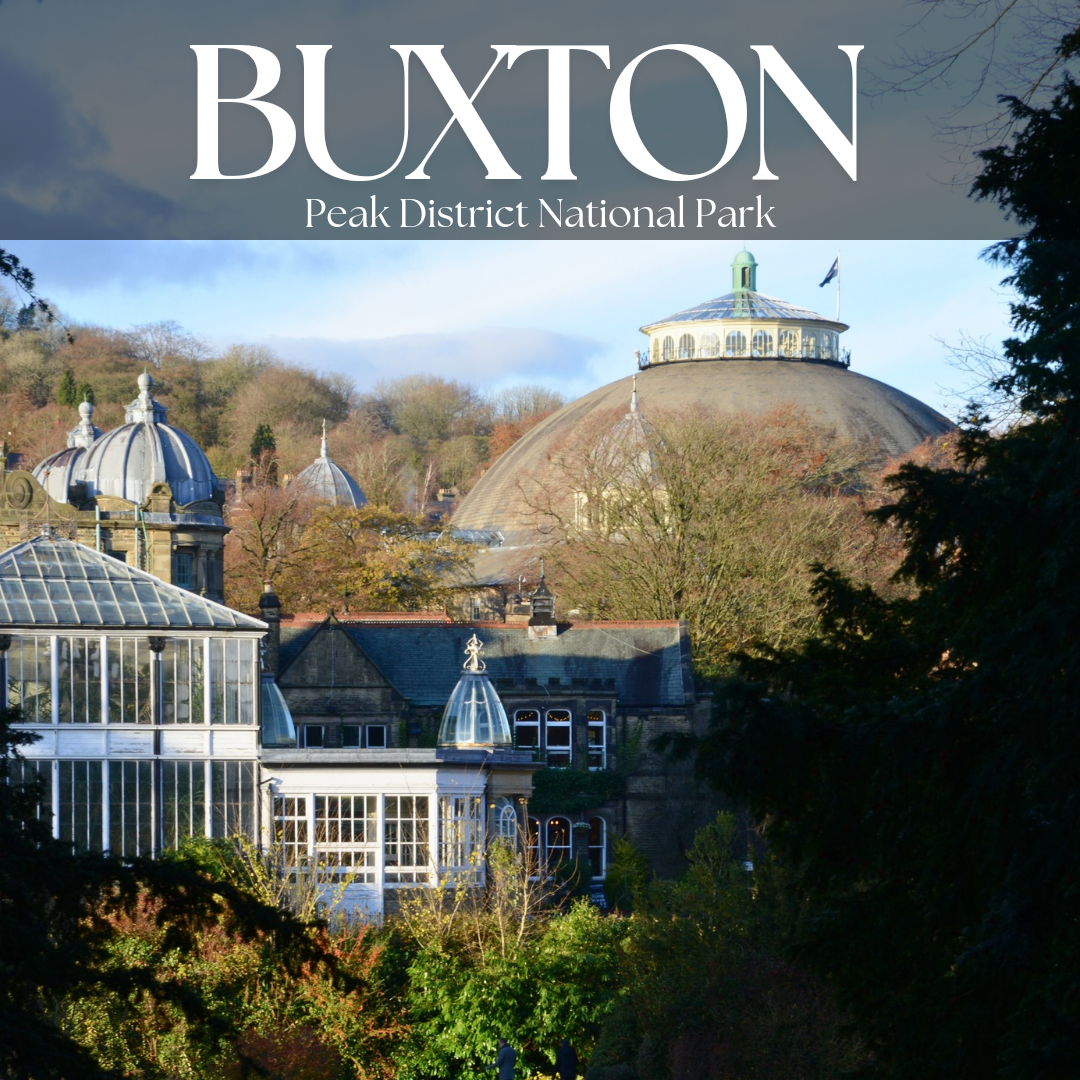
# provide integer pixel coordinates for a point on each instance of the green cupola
(744, 273)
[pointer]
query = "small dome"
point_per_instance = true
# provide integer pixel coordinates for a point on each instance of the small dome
(625, 452)
(474, 715)
(59, 471)
(278, 729)
(130, 459)
(327, 482)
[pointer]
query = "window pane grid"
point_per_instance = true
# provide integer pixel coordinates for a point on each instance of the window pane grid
(406, 847)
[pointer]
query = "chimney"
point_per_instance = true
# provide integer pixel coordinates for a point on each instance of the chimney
(542, 621)
(270, 612)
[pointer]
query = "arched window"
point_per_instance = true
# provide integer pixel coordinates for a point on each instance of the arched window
(655, 350)
(828, 346)
(597, 740)
(669, 348)
(558, 737)
(504, 821)
(789, 342)
(527, 729)
(557, 841)
(598, 846)
(762, 343)
(532, 840)
(686, 347)
(710, 345)
(735, 345)
(810, 345)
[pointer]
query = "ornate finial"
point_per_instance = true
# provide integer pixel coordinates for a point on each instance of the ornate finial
(322, 452)
(633, 395)
(472, 650)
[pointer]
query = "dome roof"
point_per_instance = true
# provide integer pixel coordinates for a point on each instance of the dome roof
(742, 353)
(328, 482)
(743, 304)
(474, 715)
(859, 408)
(127, 461)
(57, 473)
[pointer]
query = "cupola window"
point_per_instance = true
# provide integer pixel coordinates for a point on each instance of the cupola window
(735, 344)
(710, 345)
(762, 343)
(669, 348)
(686, 347)
(789, 342)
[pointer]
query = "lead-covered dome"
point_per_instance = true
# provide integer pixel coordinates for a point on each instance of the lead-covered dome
(59, 472)
(474, 715)
(328, 482)
(145, 450)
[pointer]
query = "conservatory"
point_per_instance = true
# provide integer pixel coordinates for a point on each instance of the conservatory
(144, 697)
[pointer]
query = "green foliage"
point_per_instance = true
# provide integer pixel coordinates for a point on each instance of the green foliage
(84, 392)
(917, 761)
(701, 992)
(66, 389)
(262, 440)
(557, 982)
(627, 877)
(573, 791)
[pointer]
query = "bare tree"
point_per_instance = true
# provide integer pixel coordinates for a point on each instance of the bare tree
(710, 517)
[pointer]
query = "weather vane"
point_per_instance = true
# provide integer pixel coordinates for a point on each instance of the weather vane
(472, 650)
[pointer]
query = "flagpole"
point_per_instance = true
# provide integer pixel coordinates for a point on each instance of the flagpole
(838, 286)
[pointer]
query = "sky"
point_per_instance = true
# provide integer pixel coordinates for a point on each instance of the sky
(493, 314)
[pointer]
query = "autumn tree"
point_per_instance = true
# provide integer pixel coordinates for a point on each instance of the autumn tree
(266, 524)
(369, 559)
(710, 517)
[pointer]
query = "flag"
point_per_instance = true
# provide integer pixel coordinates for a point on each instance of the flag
(834, 270)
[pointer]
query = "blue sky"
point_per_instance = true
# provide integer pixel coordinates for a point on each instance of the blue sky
(565, 314)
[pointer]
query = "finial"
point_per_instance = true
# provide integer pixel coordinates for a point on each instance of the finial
(323, 452)
(145, 380)
(472, 650)
(633, 395)
(541, 568)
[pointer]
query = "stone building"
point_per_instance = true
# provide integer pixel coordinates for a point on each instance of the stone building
(155, 723)
(584, 699)
(143, 493)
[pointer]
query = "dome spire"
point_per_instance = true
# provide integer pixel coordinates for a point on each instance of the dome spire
(633, 394)
(323, 451)
(472, 651)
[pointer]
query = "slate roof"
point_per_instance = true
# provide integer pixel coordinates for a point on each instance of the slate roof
(641, 663)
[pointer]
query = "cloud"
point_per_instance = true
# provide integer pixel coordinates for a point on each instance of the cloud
(485, 356)
(51, 184)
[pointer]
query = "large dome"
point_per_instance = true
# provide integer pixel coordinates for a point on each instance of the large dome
(741, 353)
(127, 461)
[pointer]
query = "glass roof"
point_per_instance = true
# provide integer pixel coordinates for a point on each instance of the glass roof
(742, 305)
(474, 714)
(52, 582)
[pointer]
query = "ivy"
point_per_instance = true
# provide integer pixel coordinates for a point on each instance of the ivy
(573, 791)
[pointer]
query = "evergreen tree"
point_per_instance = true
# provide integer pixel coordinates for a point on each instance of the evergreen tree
(262, 441)
(84, 392)
(66, 390)
(919, 762)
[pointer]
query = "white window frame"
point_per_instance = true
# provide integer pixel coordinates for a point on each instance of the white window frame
(597, 728)
(559, 726)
